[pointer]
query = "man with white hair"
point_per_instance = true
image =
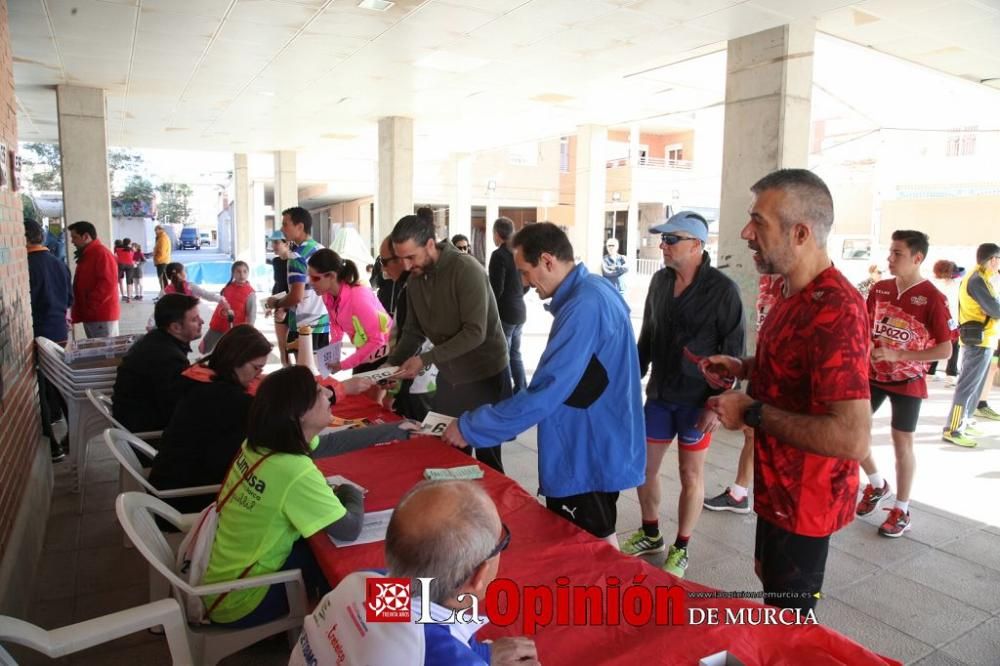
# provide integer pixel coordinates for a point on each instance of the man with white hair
(613, 265)
(449, 532)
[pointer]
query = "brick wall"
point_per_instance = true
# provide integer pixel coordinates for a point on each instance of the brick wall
(19, 421)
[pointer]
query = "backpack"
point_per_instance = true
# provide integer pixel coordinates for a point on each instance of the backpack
(196, 550)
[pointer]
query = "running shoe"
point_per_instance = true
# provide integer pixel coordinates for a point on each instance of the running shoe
(640, 544)
(677, 561)
(871, 498)
(960, 439)
(725, 501)
(987, 412)
(897, 523)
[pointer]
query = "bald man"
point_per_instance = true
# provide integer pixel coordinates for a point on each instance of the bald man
(449, 531)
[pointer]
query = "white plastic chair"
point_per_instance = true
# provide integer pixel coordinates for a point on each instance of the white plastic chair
(82, 635)
(101, 400)
(209, 643)
(132, 476)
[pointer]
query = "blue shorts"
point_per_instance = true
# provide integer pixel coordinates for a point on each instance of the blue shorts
(666, 420)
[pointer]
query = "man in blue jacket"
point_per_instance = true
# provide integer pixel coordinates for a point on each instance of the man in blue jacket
(51, 296)
(585, 395)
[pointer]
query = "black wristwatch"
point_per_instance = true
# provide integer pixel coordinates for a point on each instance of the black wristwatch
(754, 415)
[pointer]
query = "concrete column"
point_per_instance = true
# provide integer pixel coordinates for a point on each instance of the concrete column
(632, 220)
(286, 187)
(492, 213)
(249, 229)
(591, 182)
(768, 87)
(395, 172)
(258, 209)
(460, 206)
(83, 145)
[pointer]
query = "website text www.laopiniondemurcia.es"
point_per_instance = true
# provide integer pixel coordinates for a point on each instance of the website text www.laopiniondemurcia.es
(614, 603)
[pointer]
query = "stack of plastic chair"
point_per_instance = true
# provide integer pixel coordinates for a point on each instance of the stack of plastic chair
(83, 420)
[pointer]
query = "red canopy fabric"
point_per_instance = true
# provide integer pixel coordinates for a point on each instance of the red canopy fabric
(545, 547)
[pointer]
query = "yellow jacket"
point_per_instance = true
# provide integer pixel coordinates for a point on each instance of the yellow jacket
(161, 252)
(977, 301)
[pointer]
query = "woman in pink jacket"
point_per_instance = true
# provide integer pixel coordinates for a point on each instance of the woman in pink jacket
(354, 310)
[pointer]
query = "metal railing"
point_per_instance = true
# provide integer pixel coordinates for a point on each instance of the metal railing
(648, 266)
(653, 162)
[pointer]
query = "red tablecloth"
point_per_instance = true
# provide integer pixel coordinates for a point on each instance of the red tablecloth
(544, 547)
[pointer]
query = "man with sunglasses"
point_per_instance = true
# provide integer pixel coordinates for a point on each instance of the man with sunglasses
(692, 310)
(411, 397)
(459, 549)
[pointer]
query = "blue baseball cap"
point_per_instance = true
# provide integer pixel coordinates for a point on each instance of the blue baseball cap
(276, 235)
(686, 220)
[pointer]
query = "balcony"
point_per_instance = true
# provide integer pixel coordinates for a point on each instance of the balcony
(652, 162)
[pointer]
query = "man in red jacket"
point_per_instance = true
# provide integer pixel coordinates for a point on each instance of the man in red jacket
(95, 284)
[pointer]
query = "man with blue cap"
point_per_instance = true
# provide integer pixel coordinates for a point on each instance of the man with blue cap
(692, 311)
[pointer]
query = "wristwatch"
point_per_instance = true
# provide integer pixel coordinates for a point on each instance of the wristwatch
(753, 416)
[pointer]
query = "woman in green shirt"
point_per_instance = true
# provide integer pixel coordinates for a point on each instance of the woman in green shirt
(280, 503)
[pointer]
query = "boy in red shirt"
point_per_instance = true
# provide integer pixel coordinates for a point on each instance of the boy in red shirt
(911, 327)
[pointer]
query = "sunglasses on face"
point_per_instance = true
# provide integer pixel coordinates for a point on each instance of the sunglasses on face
(462, 248)
(674, 239)
(316, 278)
(387, 260)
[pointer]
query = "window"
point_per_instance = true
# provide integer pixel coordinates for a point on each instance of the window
(523, 154)
(962, 142)
(564, 154)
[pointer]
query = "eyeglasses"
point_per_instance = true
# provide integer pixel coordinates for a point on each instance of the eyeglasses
(462, 248)
(499, 548)
(674, 239)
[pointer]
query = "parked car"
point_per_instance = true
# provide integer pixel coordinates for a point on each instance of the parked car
(189, 239)
(205, 239)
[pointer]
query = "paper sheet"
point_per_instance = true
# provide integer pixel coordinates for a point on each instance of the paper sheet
(338, 480)
(373, 530)
(325, 355)
(434, 424)
(379, 373)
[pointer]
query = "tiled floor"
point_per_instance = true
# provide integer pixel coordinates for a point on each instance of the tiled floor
(931, 597)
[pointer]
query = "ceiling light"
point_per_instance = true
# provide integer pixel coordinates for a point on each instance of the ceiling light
(376, 5)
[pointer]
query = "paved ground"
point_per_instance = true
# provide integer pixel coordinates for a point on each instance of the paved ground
(931, 597)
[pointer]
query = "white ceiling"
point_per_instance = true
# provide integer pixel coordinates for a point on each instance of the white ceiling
(245, 75)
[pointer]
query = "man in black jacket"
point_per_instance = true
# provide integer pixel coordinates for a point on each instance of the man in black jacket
(149, 384)
(509, 292)
(692, 310)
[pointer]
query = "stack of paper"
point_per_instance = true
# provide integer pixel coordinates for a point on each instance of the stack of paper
(464, 473)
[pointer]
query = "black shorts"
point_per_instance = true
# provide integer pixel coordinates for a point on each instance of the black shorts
(791, 565)
(905, 408)
(594, 512)
(124, 272)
